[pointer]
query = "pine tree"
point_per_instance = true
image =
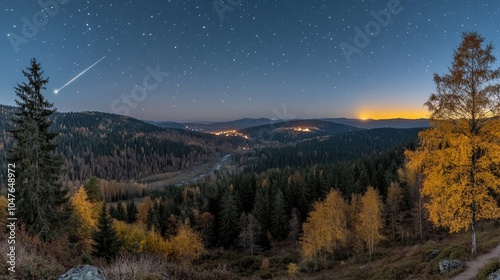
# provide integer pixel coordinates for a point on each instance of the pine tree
(228, 220)
(42, 202)
(131, 212)
(279, 218)
(121, 215)
(93, 189)
(106, 241)
(261, 212)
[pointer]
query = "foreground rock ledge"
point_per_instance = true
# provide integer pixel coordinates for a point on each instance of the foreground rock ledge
(446, 266)
(86, 272)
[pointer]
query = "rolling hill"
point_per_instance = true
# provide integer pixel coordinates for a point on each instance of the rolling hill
(116, 147)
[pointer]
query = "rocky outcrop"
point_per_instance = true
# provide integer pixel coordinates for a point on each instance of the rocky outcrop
(495, 275)
(86, 272)
(446, 266)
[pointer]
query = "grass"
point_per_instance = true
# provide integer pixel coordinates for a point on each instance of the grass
(38, 260)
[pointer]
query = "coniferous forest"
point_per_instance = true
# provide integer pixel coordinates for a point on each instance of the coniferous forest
(297, 199)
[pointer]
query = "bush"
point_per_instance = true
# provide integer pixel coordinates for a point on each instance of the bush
(281, 262)
(292, 269)
(311, 265)
(128, 266)
(487, 269)
(247, 265)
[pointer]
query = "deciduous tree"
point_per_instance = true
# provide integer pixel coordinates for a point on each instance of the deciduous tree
(460, 154)
(186, 244)
(370, 219)
(325, 227)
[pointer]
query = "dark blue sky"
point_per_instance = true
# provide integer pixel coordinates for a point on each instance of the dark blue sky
(226, 59)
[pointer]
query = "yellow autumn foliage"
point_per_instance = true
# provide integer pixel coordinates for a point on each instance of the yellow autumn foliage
(136, 238)
(461, 172)
(369, 220)
(186, 244)
(85, 214)
(325, 227)
(143, 208)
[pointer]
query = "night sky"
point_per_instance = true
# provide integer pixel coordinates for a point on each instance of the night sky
(222, 60)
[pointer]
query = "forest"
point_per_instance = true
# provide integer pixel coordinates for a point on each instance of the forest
(348, 204)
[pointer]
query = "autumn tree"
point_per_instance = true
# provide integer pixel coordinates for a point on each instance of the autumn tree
(370, 223)
(186, 244)
(325, 228)
(41, 201)
(85, 216)
(460, 154)
(207, 224)
(393, 206)
(142, 210)
(249, 232)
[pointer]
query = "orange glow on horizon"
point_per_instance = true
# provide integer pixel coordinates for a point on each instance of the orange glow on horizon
(388, 113)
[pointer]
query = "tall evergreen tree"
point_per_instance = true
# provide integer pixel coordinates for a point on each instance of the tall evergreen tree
(121, 215)
(93, 189)
(279, 218)
(106, 241)
(229, 221)
(261, 213)
(42, 202)
(131, 212)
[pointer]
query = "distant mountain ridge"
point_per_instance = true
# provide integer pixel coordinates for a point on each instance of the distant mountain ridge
(250, 122)
(117, 147)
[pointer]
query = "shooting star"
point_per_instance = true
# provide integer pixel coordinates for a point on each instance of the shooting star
(56, 91)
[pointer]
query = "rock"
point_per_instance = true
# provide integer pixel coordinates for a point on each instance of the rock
(446, 266)
(86, 272)
(432, 255)
(495, 275)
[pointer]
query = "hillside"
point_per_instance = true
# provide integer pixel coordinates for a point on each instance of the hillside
(294, 130)
(121, 148)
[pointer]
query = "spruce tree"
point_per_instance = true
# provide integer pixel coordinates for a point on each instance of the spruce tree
(131, 212)
(106, 242)
(93, 189)
(279, 218)
(261, 213)
(121, 215)
(229, 220)
(42, 202)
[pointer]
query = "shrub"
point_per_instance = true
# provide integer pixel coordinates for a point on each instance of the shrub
(488, 269)
(311, 265)
(127, 266)
(292, 269)
(247, 265)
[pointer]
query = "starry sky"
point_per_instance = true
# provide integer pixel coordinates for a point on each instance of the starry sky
(216, 60)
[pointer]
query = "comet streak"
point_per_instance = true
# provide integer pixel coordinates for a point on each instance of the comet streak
(83, 72)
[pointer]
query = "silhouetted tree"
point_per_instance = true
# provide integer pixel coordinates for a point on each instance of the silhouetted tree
(106, 242)
(42, 203)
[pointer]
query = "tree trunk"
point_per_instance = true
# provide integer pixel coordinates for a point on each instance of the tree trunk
(473, 227)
